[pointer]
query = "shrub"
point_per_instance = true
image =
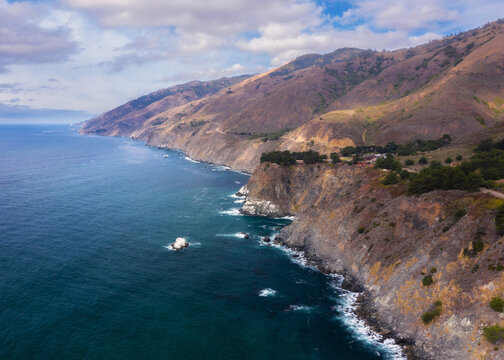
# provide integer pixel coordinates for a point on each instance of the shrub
(404, 174)
(361, 229)
(428, 317)
(499, 220)
(347, 151)
(391, 179)
(427, 280)
(423, 160)
(433, 270)
(497, 304)
(388, 163)
(448, 160)
(335, 158)
(431, 314)
(459, 157)
(459, 213)
(494, 334)
(409, 162)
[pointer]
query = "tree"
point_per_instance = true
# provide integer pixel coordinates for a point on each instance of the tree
(347, 151)
(335, 158)
(391, 179)
(422, 160)
(459, 157)
(388, 163)
(473, 182)
(404, 174)
(448, 160)
(409, 162)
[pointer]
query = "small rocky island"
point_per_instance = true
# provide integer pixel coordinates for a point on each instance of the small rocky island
(179, 244)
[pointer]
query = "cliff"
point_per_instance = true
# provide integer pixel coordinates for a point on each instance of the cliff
(347, 222)
(326, 102)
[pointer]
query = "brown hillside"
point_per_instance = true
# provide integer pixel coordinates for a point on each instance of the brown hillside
(350, 96)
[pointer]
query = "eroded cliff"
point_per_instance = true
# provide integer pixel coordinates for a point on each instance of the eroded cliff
(347, 222)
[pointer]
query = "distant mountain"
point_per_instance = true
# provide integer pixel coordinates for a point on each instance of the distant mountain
(350, 96)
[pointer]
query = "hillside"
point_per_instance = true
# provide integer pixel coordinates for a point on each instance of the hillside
(325, 102)
(347, 222)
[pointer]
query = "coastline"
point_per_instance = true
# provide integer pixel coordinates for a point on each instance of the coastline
(362, 307)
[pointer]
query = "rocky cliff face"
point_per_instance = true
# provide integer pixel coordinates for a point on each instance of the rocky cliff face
(348, 222)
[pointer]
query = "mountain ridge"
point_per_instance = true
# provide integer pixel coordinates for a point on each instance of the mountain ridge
(325, 102)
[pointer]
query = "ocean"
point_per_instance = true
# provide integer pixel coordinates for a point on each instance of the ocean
(86, 271)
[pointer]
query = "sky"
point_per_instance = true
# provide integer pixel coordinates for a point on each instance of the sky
(70, 59)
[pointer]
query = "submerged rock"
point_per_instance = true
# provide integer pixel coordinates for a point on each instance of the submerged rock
(179, 244)
(245, 235)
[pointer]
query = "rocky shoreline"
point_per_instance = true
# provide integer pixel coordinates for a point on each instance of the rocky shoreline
(365, 309)
(384, 243)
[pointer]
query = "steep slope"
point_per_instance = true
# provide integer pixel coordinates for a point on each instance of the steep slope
(347, 222)
(325, 102)
(132, 115)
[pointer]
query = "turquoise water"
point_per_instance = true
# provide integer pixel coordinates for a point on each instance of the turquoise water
(85, 272)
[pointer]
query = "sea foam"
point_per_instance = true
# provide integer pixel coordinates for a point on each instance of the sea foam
(267, 292)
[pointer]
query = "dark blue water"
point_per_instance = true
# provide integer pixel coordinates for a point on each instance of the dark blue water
(85, 272)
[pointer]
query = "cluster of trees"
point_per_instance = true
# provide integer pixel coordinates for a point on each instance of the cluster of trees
(437, 176)
(267, 136)
(483, 167)
(287, 158)
(388, 162)
(410, 148)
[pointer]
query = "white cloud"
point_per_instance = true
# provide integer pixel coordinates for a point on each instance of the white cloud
(104, 52)
(283, 49)
(400, 14)
(24, 40)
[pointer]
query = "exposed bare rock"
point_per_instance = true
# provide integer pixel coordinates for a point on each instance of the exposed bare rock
(386, 242)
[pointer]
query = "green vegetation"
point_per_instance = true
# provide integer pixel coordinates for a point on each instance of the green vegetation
(494, 334)
(448, 160)
(197, 123)
(423, 160)
(450, 51)
(410, 148)
(443, 177)
(481, 120)
(497, 304)
(477, 245)
(334, 158)
(459, 157)
(499, 220)
(286, 157)
(496, 267)
(409, 162)
(434, 312)
(272, 136)
(361, 229)
(404, 174)
(459, 213)
(388, 163)
(427, 280)
(391, 179)
(347, 151)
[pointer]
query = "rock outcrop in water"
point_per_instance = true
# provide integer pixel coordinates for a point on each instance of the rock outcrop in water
(179, 244)
(388, 243)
